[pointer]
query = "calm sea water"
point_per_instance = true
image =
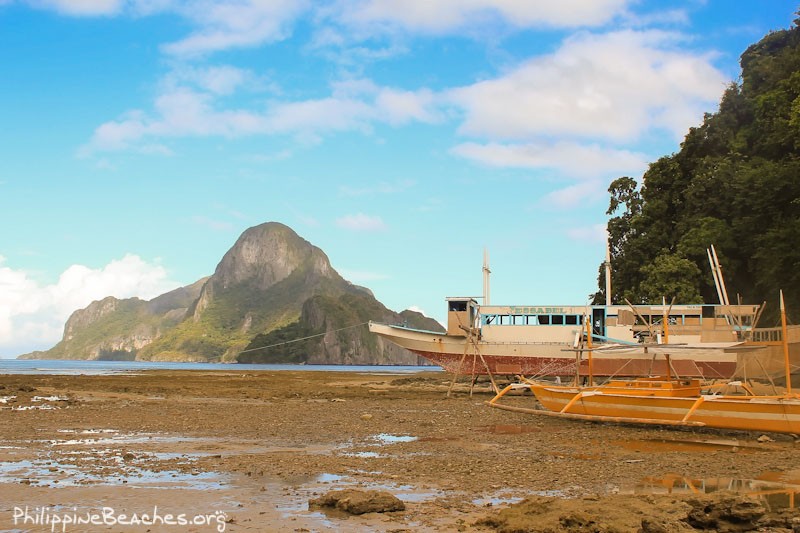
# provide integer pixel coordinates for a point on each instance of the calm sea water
(58, 367)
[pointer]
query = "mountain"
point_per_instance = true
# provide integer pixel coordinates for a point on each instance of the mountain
(114, 329)
(335, 329)
(272, 284)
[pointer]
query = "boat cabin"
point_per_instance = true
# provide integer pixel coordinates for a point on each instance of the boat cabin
(613, 323)
(461, 315)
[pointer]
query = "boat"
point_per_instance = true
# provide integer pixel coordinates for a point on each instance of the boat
(669, 400)
(539, 340)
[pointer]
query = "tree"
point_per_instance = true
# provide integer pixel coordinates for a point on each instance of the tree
(735, 183)
(671, 275)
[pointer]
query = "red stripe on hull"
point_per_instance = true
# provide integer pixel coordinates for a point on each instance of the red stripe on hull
(559, 366)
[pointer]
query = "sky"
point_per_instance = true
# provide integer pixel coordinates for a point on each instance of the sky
(140, 138)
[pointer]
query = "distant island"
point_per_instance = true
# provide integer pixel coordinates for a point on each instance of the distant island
(273, 298)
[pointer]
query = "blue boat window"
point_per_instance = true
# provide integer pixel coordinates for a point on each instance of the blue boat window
(557, 320)
(571, 320)
(544, 320)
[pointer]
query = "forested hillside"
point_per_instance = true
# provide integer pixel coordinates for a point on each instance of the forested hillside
(735, 183)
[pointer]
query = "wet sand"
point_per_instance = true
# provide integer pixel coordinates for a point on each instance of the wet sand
(246, 451)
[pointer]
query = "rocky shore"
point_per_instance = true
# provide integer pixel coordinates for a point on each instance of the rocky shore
(269, 451)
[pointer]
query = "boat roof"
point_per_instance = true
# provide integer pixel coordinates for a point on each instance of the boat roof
(462, 299)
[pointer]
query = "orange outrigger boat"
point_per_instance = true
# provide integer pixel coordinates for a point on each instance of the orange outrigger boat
(669, 401)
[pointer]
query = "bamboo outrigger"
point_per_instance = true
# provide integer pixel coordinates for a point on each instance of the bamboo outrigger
(669, 401)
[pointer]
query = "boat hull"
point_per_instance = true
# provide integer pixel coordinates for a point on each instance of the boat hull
(748, 413)
(455, 354)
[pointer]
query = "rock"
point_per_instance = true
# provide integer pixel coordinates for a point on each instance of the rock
(745, 511)
(26, 388)
(366, 417)
(765, 438)
(655, 526)
(717, 514)
(358, 502)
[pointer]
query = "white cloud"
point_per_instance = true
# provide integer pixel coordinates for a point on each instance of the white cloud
(610, 86)
(569, 158)
(361, 222)
(225, 24)
(594, 233)
(219, 80)
(575, 195)
(82, 8)
(443, 16)
(32, 315)
(216, 24)
(400, 107)
(210, 223)
(183, 111)
(417, 309)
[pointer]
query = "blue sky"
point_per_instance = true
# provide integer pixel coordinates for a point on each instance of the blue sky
(139, 138)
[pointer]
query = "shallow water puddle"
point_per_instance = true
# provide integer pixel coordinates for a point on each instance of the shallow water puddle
(387, 438)
(114, 437)
(677, 445)
(508, 429)
(37, 402)
(53, 473)
(87, 431)
(777, 490)
(107, 457)
(49, 399)
(363, 455)
(505, 497)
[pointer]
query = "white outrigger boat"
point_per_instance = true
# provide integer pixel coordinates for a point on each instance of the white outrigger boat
(542, 340)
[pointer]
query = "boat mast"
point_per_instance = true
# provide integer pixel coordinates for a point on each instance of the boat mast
(486, 273)
(716, 272)
(608, 272)
(589, 346)
(785, 348)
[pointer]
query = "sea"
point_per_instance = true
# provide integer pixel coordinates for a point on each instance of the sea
(63, 367)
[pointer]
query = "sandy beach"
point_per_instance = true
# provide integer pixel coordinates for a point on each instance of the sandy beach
(236, 450)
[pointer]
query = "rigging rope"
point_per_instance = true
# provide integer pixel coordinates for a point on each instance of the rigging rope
(303, 339)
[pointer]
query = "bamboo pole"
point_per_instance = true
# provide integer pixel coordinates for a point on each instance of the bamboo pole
(589, 329)
(715, 275)
(785, 347)
(455, 374)
(721, 278)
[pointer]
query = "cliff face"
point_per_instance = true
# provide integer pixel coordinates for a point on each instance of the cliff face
(335, 332)
(267, 254)
(114, 329)
(271, 284)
